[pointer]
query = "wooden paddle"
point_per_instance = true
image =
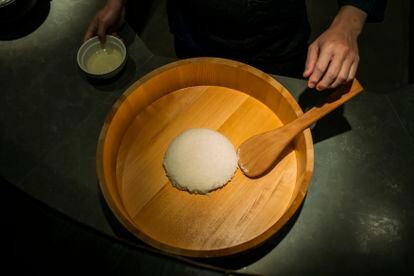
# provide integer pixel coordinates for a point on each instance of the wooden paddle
(258, 154)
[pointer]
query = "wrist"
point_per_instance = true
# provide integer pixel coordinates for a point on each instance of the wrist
(115, 3)
(350, 19)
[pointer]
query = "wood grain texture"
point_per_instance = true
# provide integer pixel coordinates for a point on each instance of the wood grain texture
(258, 154)
(235, 99)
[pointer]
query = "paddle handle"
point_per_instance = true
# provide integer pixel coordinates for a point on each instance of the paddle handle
(259, 153)
(336, 99)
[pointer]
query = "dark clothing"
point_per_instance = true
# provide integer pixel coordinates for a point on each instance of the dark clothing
(262, 33)
(292, 67)
(269, 34)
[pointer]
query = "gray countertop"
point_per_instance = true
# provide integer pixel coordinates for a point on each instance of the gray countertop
(358, 215)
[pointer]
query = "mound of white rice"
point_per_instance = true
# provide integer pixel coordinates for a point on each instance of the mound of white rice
(200, 160)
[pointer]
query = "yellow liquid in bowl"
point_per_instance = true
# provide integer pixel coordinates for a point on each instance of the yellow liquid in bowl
(104, 61)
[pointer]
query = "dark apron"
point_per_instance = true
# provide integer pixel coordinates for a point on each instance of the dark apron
(269, 34)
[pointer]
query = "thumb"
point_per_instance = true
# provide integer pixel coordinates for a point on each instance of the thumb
(312, 57)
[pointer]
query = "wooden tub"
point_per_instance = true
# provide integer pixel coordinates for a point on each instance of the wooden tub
(233, 98)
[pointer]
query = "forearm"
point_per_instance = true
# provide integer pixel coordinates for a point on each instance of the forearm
(350, 19)
(115, 3)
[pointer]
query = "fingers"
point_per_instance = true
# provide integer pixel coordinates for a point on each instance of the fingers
(353, 69)
(102, 31)
(347, 73)
(91, 31)
(312, 57)
(331, 73)
(343, 73)
(96, 27)
(335, 61)
(319, 68)
(334, 66)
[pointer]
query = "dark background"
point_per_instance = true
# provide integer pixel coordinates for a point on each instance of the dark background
(38, 239)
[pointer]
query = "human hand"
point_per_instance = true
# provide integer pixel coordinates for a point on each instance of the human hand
(333, 57)
(107, 19)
